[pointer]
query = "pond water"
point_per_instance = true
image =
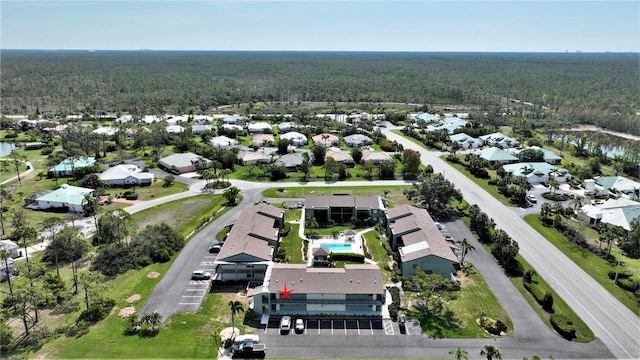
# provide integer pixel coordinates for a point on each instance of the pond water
(611, 145)
(6, 148)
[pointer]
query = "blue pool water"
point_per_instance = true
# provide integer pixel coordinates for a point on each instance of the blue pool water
(337, 247)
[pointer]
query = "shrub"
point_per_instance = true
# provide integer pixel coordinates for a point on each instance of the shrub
(285, 229)
(353, 257)
(545, 299)
(628, 284)
(46, 151)
(395, 303)
(97, 311)
(563, 326)
(622, 274)
(11, 135)
(492, 326)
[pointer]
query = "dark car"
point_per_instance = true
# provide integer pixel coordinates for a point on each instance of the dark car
(215, 247)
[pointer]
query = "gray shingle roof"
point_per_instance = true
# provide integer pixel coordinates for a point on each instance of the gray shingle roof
(353, 279)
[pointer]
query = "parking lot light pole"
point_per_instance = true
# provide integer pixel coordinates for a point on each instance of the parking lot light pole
(615, 280)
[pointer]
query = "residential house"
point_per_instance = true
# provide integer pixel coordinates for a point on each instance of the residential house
(465, 141)
(234, 120)
(341, 157)
(378, 157)
(538, 172)
(10, 247)
(126, 175)
(296, 138)
(294, 289)
(357, 140)
(66, 196)
(499, 140)
(251, 244)
(326, 140)
(496, 156)
(549, 156)
(617, 186)
(199, 129)
(260, 128)
(246, 157)
(151, 119)
(232, 127)
(6, 269)
(619, 212)
(184, 163)
(105, 131)
(223, 142)
(420, 244)
(345, 208)
(292, 161)
(263, 140)
(287, 126)
(174, 129)
(68, 165)
(426, 117)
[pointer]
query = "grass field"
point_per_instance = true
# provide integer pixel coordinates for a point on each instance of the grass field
(458, 320)
(593, 265)
(292, 245)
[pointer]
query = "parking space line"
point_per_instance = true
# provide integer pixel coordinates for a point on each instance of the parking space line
(371, 326)
(188, 303)
(358, 325)
(198, 296)
(388, 327)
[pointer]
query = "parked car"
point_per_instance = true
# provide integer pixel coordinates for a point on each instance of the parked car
(299, 325)
(215, 247)
(200, 275)
(439, 226)
(299, 204)
(285, 324)
(402, 321)
(532, 199)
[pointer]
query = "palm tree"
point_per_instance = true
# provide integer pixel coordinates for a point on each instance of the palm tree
(491, 352)
(459, 354)
(236, 308)
(466, 247)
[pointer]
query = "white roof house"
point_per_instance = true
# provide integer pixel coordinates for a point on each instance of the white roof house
(126, 174)
(124, 119)
(549, 156)
(65, 196)
(174, 129)
(199, 129)
(500, 140)
(426, 117)
(496, 155)
(296, 138)
(260, 127)
(618, 185)
(175, 120)
(538, 172)
(233, 119)
(150, 119)
(106, 130)
(287, 126)
(357, 140)
(237, 128)
(223, 142)
(615, 212)
(202, 119)
(465, 141)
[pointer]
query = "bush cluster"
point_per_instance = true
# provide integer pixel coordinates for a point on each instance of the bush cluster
(544, 298)
(395, 303)
(628, 284)
(97, 311)
(353, 257)
(492, 326)
(563, 326)
(285, 229)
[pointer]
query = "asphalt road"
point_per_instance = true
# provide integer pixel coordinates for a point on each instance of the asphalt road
(176, 292)
(612, 322)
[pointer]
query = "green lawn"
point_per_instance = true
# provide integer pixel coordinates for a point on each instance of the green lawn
(292, 245)
(583, 333)
(462, 311)
(156, 190)
(8, 169)
(593, 265)
(378, 254)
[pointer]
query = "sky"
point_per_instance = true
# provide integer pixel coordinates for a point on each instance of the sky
(323, 25)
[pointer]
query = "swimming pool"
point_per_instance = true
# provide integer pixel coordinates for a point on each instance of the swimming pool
(336, 247)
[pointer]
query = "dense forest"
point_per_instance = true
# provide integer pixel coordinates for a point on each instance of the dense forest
(598, 89)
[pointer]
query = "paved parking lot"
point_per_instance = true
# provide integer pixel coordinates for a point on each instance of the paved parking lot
(194, 293)
(341, 327)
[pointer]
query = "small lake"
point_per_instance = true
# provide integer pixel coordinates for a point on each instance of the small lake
(6, 148)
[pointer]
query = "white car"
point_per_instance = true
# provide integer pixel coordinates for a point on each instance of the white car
(285, 324)
(299, 325)
(532, 199)
(200, 275)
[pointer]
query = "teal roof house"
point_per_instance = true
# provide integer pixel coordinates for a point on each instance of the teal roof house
(66, 167)
(65, 196)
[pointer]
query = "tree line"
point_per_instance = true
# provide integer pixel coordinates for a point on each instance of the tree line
(598, 89)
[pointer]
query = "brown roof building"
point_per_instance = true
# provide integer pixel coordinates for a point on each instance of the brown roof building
(419, 242)
(296, 289)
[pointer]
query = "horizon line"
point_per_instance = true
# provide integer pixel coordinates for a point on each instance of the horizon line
(354, 51)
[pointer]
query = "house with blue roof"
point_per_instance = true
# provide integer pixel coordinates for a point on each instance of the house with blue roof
(538, 172)
(451, 124)
(426, 117)
(617, 186)
(68, 165)
(616, 212)
(66, 196)
(465, 141)
(500, 140)
(496, 156)
(549, 156)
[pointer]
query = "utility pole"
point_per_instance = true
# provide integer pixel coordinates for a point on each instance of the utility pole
(618, 265)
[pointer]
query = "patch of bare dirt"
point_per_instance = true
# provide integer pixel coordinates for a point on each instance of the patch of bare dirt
(125, 312)
(153, 275)
(133, 298)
